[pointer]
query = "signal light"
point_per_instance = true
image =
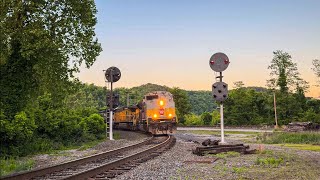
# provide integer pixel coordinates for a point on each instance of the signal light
(161, 103)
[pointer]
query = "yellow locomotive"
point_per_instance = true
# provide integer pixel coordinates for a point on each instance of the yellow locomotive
(155, 114)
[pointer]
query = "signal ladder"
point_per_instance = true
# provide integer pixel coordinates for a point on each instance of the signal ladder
(107, 120)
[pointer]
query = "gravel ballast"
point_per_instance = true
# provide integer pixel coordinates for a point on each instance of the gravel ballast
(180, 163)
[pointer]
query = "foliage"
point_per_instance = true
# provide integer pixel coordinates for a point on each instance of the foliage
(246, 106)
(215, 117)
(201, 101)
(193, 119)
(10, 165)
(46, 126)
(94, 124)
(42, 44)
(316, 68)
(206, 118)
(284, 72)
(182, 104)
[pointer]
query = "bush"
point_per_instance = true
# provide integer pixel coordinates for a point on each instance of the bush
(206, 117)
(94, 124)
(192, 119)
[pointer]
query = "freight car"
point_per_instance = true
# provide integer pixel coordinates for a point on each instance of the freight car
(155, 114)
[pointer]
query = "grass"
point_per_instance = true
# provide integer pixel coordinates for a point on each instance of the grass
(11, 165)
(291, 138)
(212, 132)
(226, 154)
(308, 147)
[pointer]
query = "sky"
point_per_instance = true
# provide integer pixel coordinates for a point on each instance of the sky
(170, 42)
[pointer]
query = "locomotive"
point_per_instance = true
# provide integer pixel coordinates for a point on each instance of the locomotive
(155, 114)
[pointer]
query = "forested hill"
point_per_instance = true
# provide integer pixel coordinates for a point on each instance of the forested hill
(200, 101)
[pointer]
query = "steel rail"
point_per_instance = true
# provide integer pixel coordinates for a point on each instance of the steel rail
(117, 163)
(59, 167)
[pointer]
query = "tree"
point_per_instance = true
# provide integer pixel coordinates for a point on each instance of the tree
(238, 84)
(284, 71)
(42, 44)
(182, 103)
(206, 118)
(316, 68)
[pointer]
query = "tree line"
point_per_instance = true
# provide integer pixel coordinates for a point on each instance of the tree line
(42, 106)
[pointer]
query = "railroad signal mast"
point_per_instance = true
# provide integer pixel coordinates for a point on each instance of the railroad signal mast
(112, 75)
(218, 63)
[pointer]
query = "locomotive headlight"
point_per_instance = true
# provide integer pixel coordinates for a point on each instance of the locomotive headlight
(161, 103)
(170, 115)
(155, 115)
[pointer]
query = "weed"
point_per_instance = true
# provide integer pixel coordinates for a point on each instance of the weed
(227, 154)
(269, 162)
(239, 170)
(116, 135)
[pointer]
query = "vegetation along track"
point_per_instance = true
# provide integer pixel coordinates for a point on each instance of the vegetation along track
(104, 165)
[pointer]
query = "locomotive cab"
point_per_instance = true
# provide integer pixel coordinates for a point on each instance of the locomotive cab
(160, 112)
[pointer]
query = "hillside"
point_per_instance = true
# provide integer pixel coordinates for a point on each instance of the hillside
(201, 101)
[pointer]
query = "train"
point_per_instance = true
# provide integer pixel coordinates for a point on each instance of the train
(155, 114)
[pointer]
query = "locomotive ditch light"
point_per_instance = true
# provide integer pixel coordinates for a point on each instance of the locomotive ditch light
(155, 115)
(161, 103)
(170, 115)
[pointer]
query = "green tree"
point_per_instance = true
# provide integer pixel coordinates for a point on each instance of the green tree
(215, 117)
(42, 44)
(182, 103)
(284, 71)
(206, 118)
(316, 68)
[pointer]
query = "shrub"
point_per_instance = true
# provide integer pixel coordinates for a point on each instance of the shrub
(192, 119)
(93, 124)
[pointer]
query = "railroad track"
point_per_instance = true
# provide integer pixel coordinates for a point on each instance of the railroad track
(105, 165)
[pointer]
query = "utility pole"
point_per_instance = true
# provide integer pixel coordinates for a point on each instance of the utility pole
(275, 109)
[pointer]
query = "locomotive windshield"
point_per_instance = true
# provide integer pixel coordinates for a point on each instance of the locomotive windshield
(151, 97)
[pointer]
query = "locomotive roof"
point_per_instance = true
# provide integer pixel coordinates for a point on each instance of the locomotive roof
(165, 93)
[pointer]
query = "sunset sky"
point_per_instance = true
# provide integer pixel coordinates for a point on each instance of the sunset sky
(170, 42)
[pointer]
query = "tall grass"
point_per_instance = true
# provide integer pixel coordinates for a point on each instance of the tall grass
(292, 137)
(11, 165)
